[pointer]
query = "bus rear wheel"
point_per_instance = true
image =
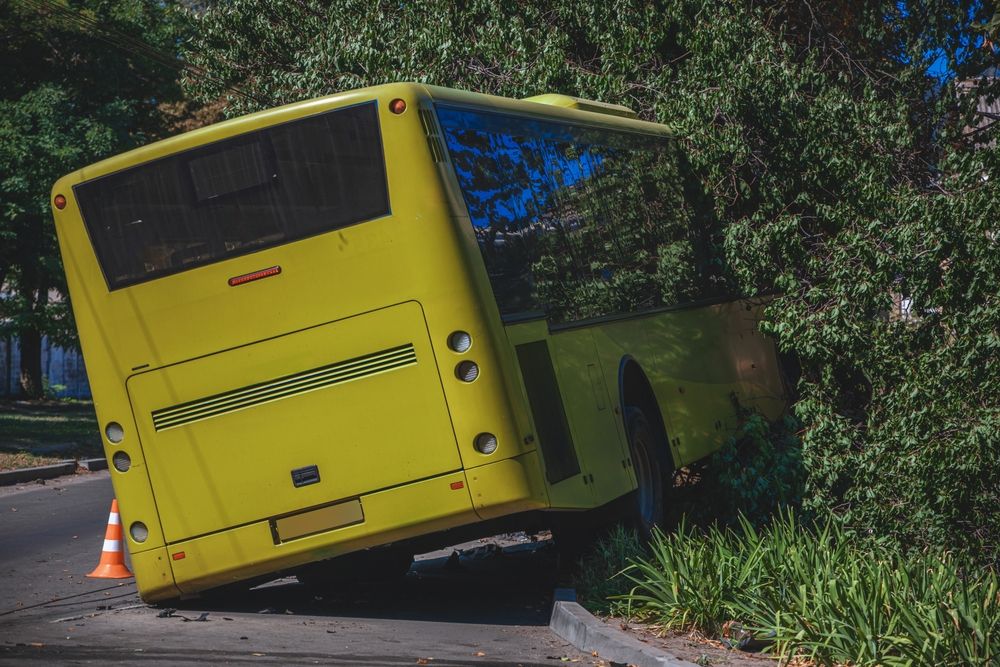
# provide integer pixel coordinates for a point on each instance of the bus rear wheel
(646, 511)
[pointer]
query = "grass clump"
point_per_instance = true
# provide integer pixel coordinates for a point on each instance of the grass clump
(819, 594)
(600, 580)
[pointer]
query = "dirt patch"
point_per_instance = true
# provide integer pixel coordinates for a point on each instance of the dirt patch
(19, 460)
(691, 646)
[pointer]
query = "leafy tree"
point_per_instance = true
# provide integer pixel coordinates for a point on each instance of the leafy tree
(72, 90)
(840, 171)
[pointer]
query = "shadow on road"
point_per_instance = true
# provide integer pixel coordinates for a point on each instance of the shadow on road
(486, 585)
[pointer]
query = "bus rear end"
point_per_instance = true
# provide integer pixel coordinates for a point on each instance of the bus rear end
(267, 310)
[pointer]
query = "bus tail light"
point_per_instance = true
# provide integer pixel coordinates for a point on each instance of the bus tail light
(121, 461)
(59, 201)
(255, 275)
(138, 531)
(397, 106)
(486, 443)
(459, 341)
(467, 371)
(115, 432)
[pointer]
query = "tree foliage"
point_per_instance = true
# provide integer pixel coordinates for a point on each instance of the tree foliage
(841, 173)
(71, 94)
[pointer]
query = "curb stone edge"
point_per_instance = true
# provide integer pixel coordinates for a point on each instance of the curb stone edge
(587, 633)
(61, 469)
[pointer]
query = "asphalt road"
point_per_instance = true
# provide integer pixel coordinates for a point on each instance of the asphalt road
(487, 611)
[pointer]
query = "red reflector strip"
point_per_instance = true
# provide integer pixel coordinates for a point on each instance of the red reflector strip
(256, 275)
(457, 485)
(179, 555)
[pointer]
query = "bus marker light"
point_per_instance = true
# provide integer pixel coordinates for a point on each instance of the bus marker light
(397, 106)
(467, 371)
(255, 275)
(179, 555)
(455, 486)
(115, 432)
(138, 531)
(486, 443)
(459, 341)
(59, 201)
(121, 461)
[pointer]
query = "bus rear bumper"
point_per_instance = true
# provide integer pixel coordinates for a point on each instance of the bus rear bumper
(252, 550)
(256, 549)
(411, 510)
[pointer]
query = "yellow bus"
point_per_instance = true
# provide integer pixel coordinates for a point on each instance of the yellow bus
(395, 313)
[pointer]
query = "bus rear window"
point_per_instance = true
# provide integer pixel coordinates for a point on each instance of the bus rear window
(250, 192)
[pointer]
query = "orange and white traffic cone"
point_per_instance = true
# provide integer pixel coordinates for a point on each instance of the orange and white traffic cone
(112, 565)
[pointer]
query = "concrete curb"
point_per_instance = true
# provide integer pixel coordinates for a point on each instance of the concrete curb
(581, 629)
(93, 465)
(8, 477)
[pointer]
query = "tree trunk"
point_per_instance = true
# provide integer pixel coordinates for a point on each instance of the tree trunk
(8, 390)
(31, 363)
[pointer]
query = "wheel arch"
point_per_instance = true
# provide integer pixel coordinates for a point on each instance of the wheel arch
(634, 389)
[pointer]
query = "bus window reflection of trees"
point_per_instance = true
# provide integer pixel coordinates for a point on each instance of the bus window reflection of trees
(577, 221)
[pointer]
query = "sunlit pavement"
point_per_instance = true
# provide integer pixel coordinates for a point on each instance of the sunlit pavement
(489, 606)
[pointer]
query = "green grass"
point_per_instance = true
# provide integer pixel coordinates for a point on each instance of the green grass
(40, 432)
(819, 594)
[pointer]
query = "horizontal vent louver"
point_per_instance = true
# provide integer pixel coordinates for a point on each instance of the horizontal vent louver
(433, 137)
(285, 387)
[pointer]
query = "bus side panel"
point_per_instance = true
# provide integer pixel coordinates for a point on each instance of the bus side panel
(757, 361)
(687, 362)
(568, 492)
(592, 413)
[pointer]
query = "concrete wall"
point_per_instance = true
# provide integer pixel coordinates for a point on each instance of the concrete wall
(63, 370)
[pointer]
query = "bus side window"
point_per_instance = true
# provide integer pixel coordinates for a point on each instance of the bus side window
(576, 221)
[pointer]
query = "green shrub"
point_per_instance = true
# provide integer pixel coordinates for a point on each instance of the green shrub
(838, 171)
(820, 594)
(756, 473)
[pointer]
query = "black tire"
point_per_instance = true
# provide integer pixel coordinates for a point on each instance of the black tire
(646, 511)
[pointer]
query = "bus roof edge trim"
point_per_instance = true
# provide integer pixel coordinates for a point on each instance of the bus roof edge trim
(557, 100)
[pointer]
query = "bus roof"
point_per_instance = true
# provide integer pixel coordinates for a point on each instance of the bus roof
(582, 104)
(562, 107)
